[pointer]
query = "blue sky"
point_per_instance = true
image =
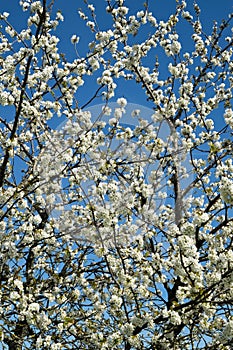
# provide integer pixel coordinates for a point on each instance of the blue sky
(210, 10)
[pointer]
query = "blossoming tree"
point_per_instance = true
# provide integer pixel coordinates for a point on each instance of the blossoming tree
(115, 234)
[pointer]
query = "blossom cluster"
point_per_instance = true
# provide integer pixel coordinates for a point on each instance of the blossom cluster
(116, 225)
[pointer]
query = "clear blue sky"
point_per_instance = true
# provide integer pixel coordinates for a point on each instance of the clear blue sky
(210, 10)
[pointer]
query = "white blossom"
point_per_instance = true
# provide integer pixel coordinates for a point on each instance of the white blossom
(122, 102)
(75, 39)
(226, 190)
(115, 216)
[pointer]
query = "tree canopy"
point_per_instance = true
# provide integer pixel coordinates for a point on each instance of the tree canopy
(116, 214)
